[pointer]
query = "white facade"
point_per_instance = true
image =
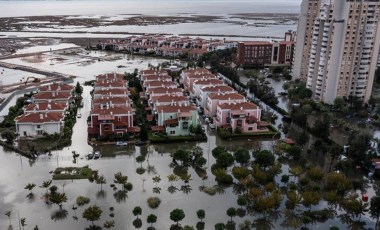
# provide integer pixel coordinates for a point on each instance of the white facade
(36, 129)
(344, 50)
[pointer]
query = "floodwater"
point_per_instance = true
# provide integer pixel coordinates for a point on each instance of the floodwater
(17, 171)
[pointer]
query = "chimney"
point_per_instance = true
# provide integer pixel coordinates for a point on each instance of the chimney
(49, 87)
(241, 108)
(41, 116)
(49, 106)
(45, 114)
(53, 94)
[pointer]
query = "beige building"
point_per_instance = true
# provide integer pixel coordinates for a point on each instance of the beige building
(344, 49)
(309, 11)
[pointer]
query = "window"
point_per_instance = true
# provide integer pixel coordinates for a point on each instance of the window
(185, 125)
(250, 128)
(38, 126)
(172, 132)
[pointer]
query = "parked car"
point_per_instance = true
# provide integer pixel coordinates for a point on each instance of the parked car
(90, 155)
(79, 115)
(212, 126)
(96, 155)
(121, 143)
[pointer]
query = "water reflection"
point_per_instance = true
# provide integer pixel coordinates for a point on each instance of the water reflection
(59, 215)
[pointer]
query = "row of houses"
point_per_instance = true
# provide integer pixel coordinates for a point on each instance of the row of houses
(226, 107)
(171, 111)
(172, 46)
(112, 111)
(45, 112)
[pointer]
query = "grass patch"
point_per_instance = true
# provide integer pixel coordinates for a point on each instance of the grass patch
(82, 200)
(72, 173)
(210, 190)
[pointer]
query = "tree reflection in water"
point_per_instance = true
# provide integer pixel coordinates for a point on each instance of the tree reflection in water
(60, 214)
(101, 194)
(120, 196)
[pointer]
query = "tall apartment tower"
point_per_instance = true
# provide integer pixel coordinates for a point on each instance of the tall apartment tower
(309, 11)
(344, 49)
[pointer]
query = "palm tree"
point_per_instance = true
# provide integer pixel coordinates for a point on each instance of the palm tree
(30, 187)
(8, 214)
(92, 213)
(101, 180)
(58, 198)
(23, 222)
(120, 179)
(109, 224)
(156, 179)
(46, 184)
(172, 178)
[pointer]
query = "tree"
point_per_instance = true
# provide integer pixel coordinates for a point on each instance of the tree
(8, 214)
(217, 151)
(285, 179)
(321, 127)
(177, 215)
(220, 226)
(8, 136)
(151, 219)
(201, 214)
(315, 174)
(172, 178)
(120, 178)
(156, 179)
(30, 187)
(109, 224)
(242, 156)
(137, 211)
(353, 206)
(242, 201)
(339, 103)
(374, 208)
(57, 198)
(101, 180)
(144, 133)
(231, 212)
(46, 184)
(140, 159)
(78, 89)
(181, 155)
(310, 198)
(23, 222)
(225, 160)
(295, 151)
(92, 213)
(200, 161)
(264, 158)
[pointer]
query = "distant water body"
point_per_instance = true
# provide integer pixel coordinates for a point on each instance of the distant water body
(39, 8)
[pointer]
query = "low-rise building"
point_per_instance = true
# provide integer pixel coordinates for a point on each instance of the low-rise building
(207, 90)
(56, 87)
(152, 92)
(39, 123)
(176, 119)
(110, 93)
(168, 100)
(244, 116)
(215, 99)
(52, 97)
(46, 107)
(159, 84)
(112, 120)
(199, 84)
(106, 102)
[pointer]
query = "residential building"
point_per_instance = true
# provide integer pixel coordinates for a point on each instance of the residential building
(244, 116)
(111, 120)
(111, 93)
(197, 73)
(53, 107)
(205, 91)
(309, 12)
(255, 53)
(176, 119)
(110, 84)
(167, 100)
(62, 88)
(198, 84)
(105, 102)
(151, 92)
(49, 97)
(149, 78)
(159, 84)
(344, 50)
(39, 123)
(215, 99)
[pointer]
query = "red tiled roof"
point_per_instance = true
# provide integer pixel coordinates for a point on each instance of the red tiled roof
(198, 70)
(111, 100)
(160, 90)
(175, 108)
(208, 81)
(114, 110)
(110, 84)
(150, 117)
(51, 96)
(158, 128)
(171, 122)
(202, 76)
(39, 118)
(157, 78)
(111, 91)
(168, 98)
(134, 129)
(226, 96)
(153, 72)
(45, 106)
(56, 87)
(109, 76)
(160, 83)
(238, 106)
(219, 88)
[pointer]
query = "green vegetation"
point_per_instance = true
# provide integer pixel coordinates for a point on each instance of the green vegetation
(82, 200)
(72, 173)
(163, 138)
(227, 134)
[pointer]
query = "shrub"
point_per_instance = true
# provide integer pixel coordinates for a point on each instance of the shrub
(82, 200)
(154, 202)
